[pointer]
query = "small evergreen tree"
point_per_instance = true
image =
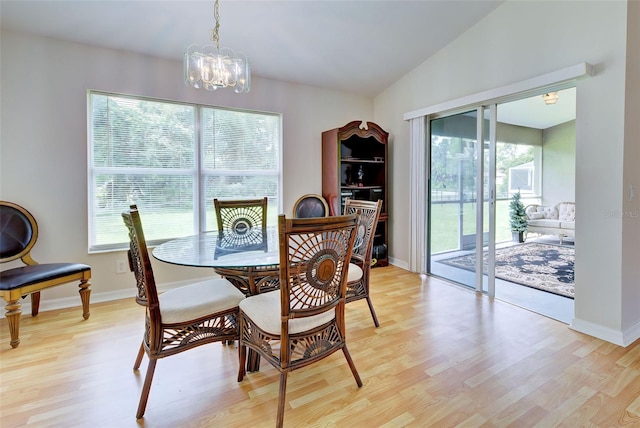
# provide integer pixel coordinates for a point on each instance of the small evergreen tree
(517, 215)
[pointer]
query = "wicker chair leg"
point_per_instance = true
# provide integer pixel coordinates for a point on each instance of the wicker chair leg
(254, 361)
(242, 357)
(281, 399)
(136, 365)
(352, 366)
(373, 312)
(146, 388)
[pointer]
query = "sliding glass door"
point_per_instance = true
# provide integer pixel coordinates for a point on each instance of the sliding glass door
(459, 204)
(469, 165)
(535, 156)
(476, 165)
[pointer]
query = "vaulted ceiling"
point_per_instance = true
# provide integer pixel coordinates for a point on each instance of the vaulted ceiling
(356, 46)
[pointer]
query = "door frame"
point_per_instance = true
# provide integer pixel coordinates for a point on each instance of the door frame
(419, 171)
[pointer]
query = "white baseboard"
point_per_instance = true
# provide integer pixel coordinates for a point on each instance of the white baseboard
(617, 337)
(399, 263)
(107, 296)
(631, 334)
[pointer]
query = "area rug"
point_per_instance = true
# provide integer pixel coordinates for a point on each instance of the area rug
(542, 266)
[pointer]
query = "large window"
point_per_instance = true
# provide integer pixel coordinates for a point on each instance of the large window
(171, 160)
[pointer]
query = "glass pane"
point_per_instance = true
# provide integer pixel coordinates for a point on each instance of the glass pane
(517, 167)
(165, 203)
(241, 187)
(453, 197)
(135, 133)
(235, 140)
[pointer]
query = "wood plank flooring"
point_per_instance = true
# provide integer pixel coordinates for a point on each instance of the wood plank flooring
(442, 357)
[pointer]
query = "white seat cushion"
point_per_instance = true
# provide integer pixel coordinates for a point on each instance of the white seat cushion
(198, 300)
(264, 311)
(355, 273)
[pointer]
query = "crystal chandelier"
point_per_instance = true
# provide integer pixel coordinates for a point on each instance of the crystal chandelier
(210, 67)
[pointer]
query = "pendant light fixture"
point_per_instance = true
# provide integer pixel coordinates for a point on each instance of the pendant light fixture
(209, 67)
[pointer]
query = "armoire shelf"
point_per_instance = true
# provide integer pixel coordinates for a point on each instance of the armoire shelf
(354, 165)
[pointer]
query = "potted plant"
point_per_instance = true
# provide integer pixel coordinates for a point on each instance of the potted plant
(517, 218)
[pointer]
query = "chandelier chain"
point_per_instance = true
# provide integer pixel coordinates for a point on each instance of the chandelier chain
(214, 32)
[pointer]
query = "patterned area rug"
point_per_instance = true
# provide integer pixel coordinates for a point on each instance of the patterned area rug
(542, 266)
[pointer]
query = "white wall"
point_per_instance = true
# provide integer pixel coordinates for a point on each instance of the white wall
(43, 139)
(631, 172)
(559, 164)
(518, 41)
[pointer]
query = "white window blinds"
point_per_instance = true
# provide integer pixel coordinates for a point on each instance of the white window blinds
(171, 160)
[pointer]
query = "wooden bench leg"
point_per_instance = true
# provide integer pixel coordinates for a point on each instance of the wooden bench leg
(13, 319)
(85, 294)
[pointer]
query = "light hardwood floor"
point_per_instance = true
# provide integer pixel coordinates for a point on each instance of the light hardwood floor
(443, 356)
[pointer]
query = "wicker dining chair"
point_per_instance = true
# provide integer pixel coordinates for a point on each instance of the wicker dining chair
(361, 258)
(310, 205)
(241, 215)
(181, 318)
(302, 322)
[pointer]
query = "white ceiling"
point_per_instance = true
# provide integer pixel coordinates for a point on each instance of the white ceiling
(534, 113)
(356, 46)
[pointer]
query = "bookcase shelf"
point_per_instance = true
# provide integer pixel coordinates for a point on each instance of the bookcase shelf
(354, 165)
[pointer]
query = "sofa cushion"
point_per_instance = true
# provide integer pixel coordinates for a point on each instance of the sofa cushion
(544, 223)
(530, 209)
(571, 225)
(550, 213)
(566, 211)
(536, 212)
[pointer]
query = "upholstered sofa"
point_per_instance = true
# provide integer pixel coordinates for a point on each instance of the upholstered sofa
(557, 220)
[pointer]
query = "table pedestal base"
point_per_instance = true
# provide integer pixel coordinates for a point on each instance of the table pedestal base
(252, 281)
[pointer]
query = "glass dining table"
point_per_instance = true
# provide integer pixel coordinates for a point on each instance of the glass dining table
(249, 259)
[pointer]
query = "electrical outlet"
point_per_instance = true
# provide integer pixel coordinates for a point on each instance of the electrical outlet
(122, 266)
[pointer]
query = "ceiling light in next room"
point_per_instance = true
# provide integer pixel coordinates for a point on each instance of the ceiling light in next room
(550, 98)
